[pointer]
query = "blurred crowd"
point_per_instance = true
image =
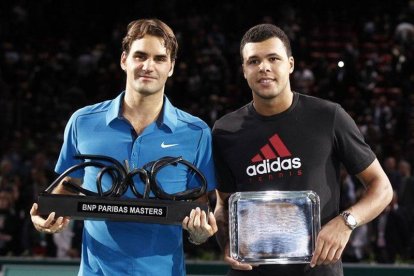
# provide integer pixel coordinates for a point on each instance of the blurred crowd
(57, 56)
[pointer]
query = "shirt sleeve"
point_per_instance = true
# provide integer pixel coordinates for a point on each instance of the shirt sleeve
(225, 179)
(204, 159)
(69, 150)
(349, 143)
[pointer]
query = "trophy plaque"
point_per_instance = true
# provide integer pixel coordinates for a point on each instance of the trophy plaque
(273, 227)
(110, 204)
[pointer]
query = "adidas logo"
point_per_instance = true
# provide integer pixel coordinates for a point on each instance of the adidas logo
(273, 157)
(273, 149)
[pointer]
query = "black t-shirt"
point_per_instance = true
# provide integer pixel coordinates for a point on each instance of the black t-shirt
(299, 149)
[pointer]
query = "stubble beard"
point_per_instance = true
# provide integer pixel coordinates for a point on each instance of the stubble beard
(267, 96)
(146, 89)
(277, 91)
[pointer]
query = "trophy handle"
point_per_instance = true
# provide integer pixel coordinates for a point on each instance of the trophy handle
(190, 194)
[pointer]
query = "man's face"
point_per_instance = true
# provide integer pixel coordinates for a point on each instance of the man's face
(267, 67)
(147, 65)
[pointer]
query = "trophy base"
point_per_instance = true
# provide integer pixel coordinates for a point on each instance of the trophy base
(118, 209)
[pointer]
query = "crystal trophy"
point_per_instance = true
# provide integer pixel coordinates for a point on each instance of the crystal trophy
(273, 227)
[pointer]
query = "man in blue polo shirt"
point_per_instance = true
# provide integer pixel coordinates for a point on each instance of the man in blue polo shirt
(139, 126)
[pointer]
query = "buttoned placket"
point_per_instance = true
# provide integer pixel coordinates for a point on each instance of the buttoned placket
(136, 144)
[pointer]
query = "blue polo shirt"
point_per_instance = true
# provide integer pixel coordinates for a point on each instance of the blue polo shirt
(131, 248)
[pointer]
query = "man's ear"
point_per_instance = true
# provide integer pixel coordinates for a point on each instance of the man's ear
(123, 60)
(292, 64)
(170, 73)
(244, 74)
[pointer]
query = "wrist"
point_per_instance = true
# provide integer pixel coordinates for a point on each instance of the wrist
(195, 241)
(349, 220)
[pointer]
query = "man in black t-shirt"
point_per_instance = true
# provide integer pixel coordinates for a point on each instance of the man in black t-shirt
(284, 140)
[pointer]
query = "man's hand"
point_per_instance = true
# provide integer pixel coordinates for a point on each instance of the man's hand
(49, 225)
(331, 242)
(61, 189)
(232, 262)
(198, 227)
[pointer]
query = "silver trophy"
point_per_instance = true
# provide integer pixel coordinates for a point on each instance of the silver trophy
(273, 227)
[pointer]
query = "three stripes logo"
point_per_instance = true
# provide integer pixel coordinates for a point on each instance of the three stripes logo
(271, 150)
(273, 157)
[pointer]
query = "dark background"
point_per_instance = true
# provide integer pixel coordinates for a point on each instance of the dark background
(57, 56)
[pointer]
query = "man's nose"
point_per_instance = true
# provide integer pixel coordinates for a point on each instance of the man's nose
(264, 66)
(148, 64)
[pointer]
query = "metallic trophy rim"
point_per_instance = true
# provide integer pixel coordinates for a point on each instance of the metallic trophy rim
(272, 196)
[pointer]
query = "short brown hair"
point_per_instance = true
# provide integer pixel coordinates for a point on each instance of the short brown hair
(263, 32)
(139, 28)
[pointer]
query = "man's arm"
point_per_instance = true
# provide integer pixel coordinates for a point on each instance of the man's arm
(334, 236)
(50, 224)
(377, 196)
(221, 213)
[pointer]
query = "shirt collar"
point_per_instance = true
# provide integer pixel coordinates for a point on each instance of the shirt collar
(114, 111)
(168, 115)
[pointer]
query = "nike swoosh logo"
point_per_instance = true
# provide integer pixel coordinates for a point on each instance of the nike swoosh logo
(168, 145)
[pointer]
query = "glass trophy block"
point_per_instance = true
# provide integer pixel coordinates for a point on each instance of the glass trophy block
(273, 227)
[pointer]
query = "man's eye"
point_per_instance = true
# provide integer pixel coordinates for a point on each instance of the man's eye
(139, 57)
(160, 59)
(252, 62)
